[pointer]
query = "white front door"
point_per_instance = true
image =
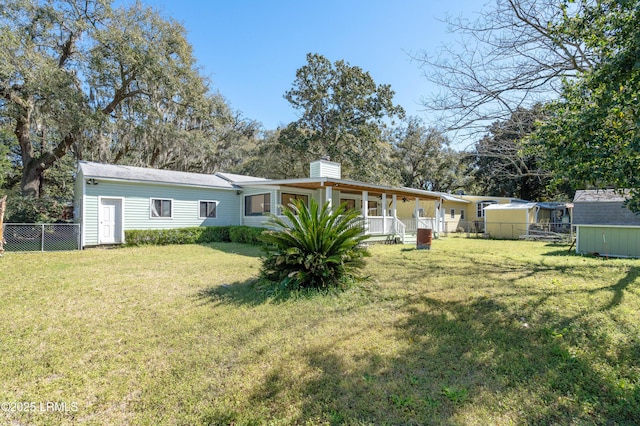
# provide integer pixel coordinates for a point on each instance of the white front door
(110, 212)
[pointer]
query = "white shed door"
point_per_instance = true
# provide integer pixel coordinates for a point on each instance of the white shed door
(109, 218)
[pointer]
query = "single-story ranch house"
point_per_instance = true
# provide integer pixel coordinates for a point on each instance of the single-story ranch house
(110, 199)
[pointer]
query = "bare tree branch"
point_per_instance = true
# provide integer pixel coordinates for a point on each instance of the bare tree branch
(511, 57)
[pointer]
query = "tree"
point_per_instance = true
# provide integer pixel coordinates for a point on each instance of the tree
(343, 113)
(116, 85)
(271, 158)
(513, 56)
(503, 165)
(5, 164)
(424, 158)
(592, 134)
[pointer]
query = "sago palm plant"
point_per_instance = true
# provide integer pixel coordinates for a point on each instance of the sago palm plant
(314, 247)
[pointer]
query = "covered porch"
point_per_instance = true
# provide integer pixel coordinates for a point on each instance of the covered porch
(377, 203)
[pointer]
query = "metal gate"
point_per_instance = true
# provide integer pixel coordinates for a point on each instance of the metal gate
(41, 237)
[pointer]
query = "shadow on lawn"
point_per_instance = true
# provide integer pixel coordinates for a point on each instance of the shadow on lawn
(236, 248)
(461, 357)
(472, 357)
(632, 277)
(241, 293)
(254, 292)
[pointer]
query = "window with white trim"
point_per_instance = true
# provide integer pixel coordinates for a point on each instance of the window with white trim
(257, 205)
(208, 209)
(161, 208)
(480, 207)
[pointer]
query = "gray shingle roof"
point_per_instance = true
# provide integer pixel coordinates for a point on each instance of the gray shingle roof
(600, 195)
(142, 174)
(230, 177)
(602, 207)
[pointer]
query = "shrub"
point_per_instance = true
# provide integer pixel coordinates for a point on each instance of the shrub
(215, 234)
(163, 237)
(194, 235)
(314, 248)
(246, 235)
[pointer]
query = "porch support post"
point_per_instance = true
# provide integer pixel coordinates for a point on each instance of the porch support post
(394, 212)
(416, 213)
(365, 211)
(329, 196)
(384, 213)
(365, 204)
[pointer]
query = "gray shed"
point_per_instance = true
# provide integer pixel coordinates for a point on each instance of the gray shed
(604, 225)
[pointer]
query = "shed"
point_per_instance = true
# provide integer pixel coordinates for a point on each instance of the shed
(509, 221)
(604, 225)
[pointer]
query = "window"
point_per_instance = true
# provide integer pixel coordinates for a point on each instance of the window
(257, 205)
(373, 208)
(288, 199)
(208, 209)
(161, 208)
(452, 212)
(461, 214)
(480, 207)
(351, 204)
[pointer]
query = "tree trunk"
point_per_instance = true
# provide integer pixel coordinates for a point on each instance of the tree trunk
(34, 167)
(32, 178)
(31, 173)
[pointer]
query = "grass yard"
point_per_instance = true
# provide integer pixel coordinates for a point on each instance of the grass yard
(473, 332)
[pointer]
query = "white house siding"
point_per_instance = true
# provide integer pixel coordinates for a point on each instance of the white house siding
(137, 197)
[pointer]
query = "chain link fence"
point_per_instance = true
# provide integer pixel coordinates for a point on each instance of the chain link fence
(41, 237)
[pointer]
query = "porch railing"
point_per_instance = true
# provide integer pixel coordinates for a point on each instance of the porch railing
(379, 225)
(412, 225)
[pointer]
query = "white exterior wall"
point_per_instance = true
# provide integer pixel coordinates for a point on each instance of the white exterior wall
(325, 168)
(137, 206)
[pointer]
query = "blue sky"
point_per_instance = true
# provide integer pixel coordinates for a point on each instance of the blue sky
(252, 49)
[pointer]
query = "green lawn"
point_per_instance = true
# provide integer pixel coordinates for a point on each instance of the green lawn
(472, 332)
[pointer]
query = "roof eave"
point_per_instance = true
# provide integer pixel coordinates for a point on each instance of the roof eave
(157, 182)
(349, 184)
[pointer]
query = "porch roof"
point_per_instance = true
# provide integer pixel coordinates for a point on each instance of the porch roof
(345, 186)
